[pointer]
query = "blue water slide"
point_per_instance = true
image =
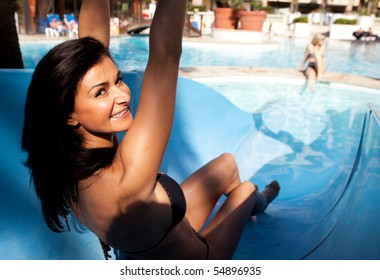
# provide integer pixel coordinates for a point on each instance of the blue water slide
(328, 207)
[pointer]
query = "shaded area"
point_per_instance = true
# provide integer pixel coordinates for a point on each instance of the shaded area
(327, 163)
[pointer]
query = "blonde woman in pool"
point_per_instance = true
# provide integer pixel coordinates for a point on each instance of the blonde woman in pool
(315, 57)
(77, 102)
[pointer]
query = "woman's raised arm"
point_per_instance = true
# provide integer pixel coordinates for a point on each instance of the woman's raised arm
(144, 144)
(94, 20)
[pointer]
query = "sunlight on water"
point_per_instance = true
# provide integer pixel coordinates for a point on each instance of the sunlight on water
(131, 53)
(285, 105)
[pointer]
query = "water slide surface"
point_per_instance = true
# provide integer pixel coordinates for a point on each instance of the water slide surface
(327, 164)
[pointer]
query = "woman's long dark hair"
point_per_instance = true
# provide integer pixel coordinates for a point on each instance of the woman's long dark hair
(56, 157)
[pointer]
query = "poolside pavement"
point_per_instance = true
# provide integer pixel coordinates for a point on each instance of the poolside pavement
(220, 71)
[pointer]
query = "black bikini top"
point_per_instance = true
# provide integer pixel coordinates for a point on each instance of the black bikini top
(178, 206)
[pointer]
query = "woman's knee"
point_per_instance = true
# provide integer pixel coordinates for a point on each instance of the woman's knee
(228, 158)
(247, 189)
(229, 172)
(228, 164)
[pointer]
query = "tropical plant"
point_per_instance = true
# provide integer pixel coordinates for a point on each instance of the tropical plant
(236, 4)
(367, 7)
(257, 5)
(346, 21)
(374, 9)
(302, 19)
(200, 8)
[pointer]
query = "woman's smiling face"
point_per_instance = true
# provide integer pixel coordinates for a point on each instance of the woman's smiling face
(101, 105)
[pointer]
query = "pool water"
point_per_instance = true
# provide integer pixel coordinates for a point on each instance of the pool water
(279, 104)
(307, 117)
(257, 94)
(323, 147)
(283, 104)
(131, 53)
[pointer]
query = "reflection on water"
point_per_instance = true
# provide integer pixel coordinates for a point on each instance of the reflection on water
(306, 133)
(257, 94)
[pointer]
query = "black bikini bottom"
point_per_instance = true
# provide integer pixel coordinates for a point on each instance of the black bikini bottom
(201, 238)
(313, 66)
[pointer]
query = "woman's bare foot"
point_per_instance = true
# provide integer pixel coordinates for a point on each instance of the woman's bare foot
(264, 198)
(271, 191)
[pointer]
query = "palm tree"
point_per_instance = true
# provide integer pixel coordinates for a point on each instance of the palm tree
(375, 4)
(368, 6)
(10, 53)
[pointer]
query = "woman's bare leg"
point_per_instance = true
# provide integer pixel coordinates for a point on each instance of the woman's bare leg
(204, 188)
(311, 76)
(224, 231)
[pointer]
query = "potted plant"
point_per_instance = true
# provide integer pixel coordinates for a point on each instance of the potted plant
(365, 20)
(254, 18)
(343, 28)
(226, 14)
(302, 26)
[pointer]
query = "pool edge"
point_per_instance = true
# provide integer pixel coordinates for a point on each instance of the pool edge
(330, 77)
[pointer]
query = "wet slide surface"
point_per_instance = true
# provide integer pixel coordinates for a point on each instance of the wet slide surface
(327, 164)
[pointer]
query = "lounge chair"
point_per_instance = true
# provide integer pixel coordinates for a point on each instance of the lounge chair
(56, 27)
(50, 31)
(71, 24)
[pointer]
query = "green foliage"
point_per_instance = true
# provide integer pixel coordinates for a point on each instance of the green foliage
(268, 9)
(200, 8)
(256, 5)
(302, 19)
(363, 12)
(346, 21)
(236, 4)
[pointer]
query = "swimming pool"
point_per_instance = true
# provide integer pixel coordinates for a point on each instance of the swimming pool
(326, 160)
(131, 54)
(286, 105)
(258, 93)
(323, 147)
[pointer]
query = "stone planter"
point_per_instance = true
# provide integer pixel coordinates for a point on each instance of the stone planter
(343, 31)
(225, 18)
(252, 20)
(302, 30)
